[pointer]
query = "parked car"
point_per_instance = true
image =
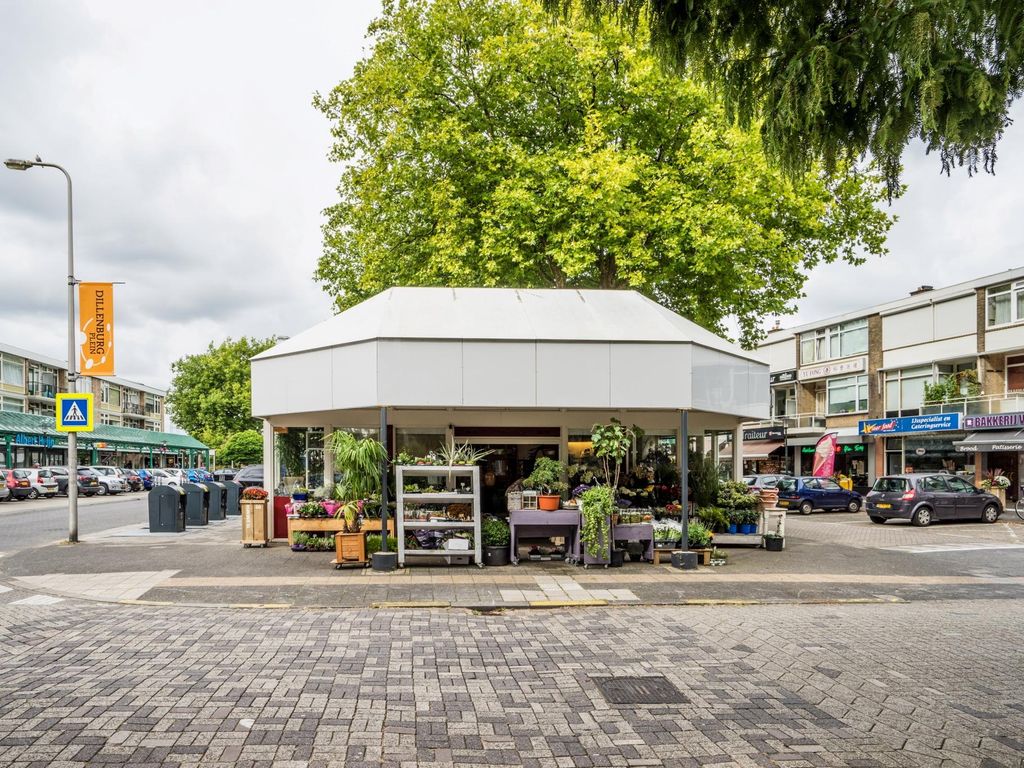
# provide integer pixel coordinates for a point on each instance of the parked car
(146, 476)
(162, 477)
(110, 480)
(810, 493)
(924, 498)
(5, 492)
(43, 483)
(198, 475)
(133, 479)
(250, 475)
(762, 481)
(178, 474)
(88, 481)
(223, 475)
(18, 483)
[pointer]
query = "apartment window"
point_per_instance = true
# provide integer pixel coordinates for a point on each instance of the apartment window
(152, 405)
(834, 342)
(12, 371)
(904, 390)
(42, 382)
(783, 401)
(110, 395)
(12, 404)
(1015, 373)
(1006, 303)
(847, 395)
(110, 419)
(42, 409)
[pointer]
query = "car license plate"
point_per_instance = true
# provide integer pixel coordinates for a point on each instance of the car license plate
(884, 506)
(783, 503)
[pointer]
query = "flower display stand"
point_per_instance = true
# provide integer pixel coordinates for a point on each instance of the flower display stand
(254, 522)
(314, 524)
(350, 549)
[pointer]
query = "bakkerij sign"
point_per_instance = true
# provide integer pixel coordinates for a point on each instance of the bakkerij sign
(903, 425)
(995, 421)
(782, 377)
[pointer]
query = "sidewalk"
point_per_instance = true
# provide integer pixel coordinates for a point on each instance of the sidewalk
(826, 560)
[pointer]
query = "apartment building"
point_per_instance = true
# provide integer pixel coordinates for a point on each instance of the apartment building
(130, 418)
(933, 381)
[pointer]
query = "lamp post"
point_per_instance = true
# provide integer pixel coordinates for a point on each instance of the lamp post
(24, 165)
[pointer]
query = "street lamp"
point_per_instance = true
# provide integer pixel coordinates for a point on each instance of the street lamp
(24, 165)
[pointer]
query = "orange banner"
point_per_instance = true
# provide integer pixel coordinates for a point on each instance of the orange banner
(96, 329)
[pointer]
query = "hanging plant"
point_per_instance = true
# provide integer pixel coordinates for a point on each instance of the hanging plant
(598, 506)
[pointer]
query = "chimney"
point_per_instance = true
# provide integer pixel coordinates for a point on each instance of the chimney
(921, 289)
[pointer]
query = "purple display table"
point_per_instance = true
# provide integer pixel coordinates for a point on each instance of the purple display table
(636, 532)
(536, 522)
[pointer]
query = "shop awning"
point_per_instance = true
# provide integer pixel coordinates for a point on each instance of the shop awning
(761, 449)
(986, 442)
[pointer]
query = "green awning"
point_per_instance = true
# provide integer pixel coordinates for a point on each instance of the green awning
(13, 423)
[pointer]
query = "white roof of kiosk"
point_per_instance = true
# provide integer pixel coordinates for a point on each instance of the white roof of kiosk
(508, 348)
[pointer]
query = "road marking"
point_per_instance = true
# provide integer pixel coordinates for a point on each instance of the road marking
(38, 600)
(927, 549)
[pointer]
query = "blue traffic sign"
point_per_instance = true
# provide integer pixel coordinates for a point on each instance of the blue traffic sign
(74, 412)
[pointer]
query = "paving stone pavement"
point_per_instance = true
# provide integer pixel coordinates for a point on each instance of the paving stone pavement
(925, 684)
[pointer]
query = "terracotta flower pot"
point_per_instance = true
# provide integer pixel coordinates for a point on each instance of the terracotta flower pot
(549, 502)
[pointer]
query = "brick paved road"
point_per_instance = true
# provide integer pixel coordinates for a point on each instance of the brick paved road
(927, 684)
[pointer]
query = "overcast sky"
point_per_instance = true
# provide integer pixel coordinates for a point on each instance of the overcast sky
(200, 176)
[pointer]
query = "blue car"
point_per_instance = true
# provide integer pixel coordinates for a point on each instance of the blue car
(809, 493)
(147, 478)
(198, 475)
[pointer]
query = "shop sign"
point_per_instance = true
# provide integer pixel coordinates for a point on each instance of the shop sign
(995, 421)
(833, 369)
(1009, 445)
(852, 448)
(43, 441)
(937, 422)
(764, 433)
(782, 377)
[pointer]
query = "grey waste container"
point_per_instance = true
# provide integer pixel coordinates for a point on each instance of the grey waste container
(216, 491)
(166, 510)
(232, 496)
(197, 504)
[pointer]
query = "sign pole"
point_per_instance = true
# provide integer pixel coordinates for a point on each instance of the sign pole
(72, 379)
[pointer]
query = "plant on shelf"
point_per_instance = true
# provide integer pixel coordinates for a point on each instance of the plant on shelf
(405, 459)
(736, 495)
(598, 506)
(698, 535)
(547, 479)
(299, 493)
(254, 494)
(713, 517)
(311, 509)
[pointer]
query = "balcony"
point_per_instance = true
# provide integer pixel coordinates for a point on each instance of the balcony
(794, 423)
(41, 390)
(982, 405)
(132, 408)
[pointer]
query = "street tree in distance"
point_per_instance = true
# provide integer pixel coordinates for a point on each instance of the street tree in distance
(829, 81)
(242, 448)
(211, 393)
(485, 143)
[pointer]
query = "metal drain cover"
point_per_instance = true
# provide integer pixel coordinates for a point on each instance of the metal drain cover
(655, 689)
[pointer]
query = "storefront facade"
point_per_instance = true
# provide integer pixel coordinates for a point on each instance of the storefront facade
(28, 440)
(996, 445)
(523, 372)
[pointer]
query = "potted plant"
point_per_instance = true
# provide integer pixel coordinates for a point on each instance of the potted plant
(253, 505)
(547, 479)
(718, 556)
(698, 536)
(595, 533)
(773, 541)
(300, 493)
(996, 483)
(496, 536)
(735, 517)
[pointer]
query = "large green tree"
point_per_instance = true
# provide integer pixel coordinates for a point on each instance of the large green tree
(485, 143)
(832, 79)
(245, 447)
(211, 393)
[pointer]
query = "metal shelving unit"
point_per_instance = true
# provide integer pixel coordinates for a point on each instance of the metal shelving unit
(449, 496)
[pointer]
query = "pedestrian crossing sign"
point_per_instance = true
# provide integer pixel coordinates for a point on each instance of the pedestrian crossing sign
(74, 412)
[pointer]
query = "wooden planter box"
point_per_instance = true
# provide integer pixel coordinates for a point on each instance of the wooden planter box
(373, 526)
(350, 549)
(314, 524)
(254, 522)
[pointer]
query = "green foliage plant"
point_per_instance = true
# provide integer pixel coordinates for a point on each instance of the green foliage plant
(734, 494)
(704, 480)
(360, 461)
(373, 543)
(241, 448)
(598, 506)
(713, 517)
(955, 386)
(611, 444)
(486, 143)
(547, 475)
(698, 535)
(495, 532)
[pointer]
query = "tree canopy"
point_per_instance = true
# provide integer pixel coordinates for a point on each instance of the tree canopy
(484, 143)
(829, 81)
(245, 447)
(211, 392)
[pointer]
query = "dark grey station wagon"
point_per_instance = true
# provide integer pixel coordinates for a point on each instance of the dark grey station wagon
(923, 498)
